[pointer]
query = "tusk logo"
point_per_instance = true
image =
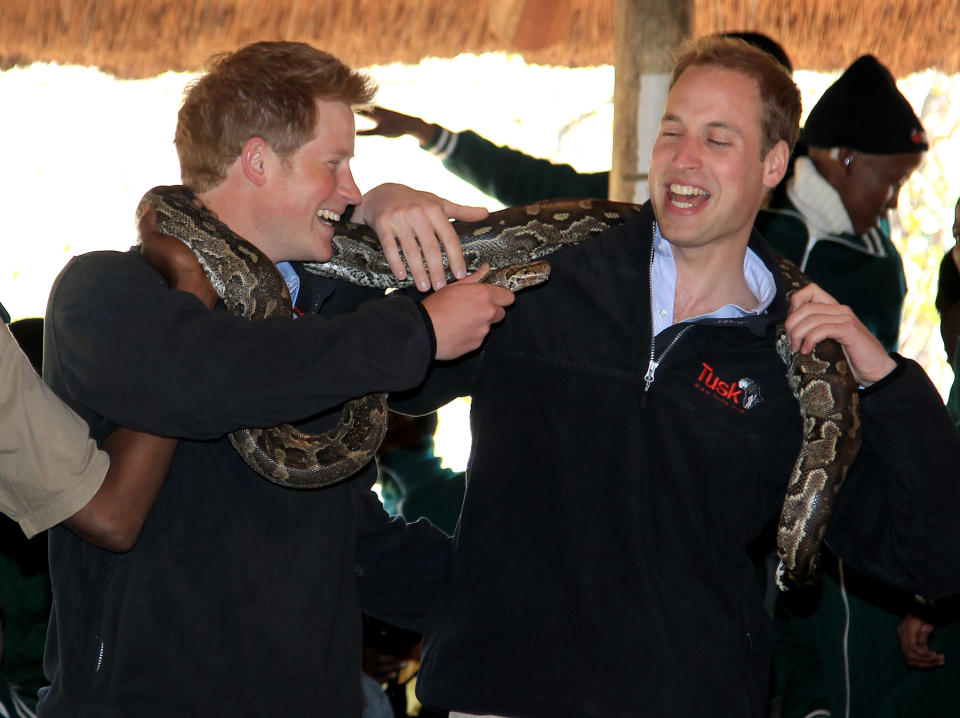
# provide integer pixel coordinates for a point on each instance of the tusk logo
(742, 394)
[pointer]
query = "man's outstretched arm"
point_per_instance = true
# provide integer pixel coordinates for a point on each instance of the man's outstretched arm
(51, 471)
(113, 517)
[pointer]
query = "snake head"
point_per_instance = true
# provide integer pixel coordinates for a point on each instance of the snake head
(520, 276)
(784, 349)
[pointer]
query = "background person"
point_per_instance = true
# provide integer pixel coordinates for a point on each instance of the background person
(831, 218)
(837, 648)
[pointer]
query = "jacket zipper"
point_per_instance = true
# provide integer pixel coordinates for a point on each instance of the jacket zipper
(655, 361)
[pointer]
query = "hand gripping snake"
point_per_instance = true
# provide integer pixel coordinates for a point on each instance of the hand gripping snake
(514, 242)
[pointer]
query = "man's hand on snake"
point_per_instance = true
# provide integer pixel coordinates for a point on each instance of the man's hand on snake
(815, 316)
(174, 260)
(462, 313)
(417, 225)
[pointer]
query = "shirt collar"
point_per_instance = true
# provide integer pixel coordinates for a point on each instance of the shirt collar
(292, 279)
(664, 282)
(817, 200)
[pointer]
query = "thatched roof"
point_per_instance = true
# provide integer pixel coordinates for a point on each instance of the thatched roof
(142, 38)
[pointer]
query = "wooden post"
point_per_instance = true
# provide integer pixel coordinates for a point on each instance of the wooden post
(647, 33)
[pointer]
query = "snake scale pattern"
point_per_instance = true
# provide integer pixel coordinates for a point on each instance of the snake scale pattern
(830, 408)
(250, 286)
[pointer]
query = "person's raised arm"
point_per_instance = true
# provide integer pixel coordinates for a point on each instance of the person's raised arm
(387, 123)
(509, 175)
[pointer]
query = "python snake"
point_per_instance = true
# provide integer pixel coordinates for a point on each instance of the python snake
(830, 408)
(249, 285)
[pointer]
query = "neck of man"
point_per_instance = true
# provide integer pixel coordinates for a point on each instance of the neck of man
(237, 209)
(709, 278)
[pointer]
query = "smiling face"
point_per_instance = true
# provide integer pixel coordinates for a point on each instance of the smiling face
(707, 176)
(309, 189)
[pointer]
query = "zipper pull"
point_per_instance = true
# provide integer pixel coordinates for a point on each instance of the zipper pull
(651, 370)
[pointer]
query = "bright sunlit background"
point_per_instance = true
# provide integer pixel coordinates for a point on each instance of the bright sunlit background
(83, 147)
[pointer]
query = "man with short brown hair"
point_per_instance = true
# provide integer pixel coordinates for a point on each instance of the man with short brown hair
(242, 597)
(634, 432)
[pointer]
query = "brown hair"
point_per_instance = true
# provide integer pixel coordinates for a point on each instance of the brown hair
(780, 103)
(268, 90)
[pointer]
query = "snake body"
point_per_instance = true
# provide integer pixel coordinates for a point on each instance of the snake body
(511, 236)
(830, 409)
(250, 286)
(524, 236)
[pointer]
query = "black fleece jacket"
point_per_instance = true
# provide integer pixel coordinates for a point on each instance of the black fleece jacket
(600, 564)
(240, 597)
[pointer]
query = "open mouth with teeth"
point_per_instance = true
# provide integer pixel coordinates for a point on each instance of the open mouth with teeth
(327, 216)
(685, 196)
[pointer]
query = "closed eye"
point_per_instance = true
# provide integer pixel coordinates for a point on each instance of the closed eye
(670, 127)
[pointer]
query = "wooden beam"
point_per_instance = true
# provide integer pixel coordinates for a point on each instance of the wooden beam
(647, 33)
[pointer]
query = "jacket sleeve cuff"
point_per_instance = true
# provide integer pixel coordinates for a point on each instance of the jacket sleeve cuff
(431, 335)
(443, 144)
(894, 374)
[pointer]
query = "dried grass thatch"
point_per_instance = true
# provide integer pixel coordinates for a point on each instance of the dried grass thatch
(136, 38)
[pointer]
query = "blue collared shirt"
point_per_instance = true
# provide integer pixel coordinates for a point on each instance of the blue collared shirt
(759, 280)
(292, 279)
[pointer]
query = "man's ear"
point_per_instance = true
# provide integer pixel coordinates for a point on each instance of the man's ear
(253, 160)
(775, 164)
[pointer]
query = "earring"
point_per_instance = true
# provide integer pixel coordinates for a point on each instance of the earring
(848, 160)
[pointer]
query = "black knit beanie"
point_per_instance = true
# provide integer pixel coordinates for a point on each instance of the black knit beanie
(864, 111)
